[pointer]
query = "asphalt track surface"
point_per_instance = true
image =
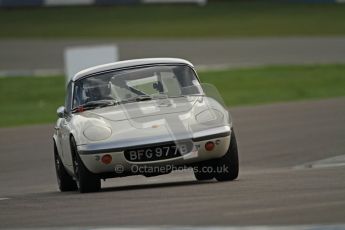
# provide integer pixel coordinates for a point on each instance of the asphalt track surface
(27, 57)
(274, 187)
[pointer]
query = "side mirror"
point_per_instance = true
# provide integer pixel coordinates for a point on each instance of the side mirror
(61, 112)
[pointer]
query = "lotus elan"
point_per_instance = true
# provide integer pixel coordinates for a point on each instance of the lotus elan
(141, 117)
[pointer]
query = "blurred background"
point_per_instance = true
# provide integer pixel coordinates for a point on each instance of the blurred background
(254, 51)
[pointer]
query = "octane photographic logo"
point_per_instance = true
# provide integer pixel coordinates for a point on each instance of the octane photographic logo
(163, 169)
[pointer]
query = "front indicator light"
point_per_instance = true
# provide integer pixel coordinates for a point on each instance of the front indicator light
(209, 146)
(106, 159)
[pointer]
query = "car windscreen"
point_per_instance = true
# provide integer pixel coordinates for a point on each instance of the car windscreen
(142, 82)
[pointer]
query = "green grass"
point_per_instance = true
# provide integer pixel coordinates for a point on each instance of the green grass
(217, 19)
(277, 84)
(31, 100)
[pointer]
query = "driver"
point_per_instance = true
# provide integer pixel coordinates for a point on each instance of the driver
(96, 90)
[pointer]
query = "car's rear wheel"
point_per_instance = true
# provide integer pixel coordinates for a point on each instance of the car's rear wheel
(227, 167)
(65, 181)
(86, 181)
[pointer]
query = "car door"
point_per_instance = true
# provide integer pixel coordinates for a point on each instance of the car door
(58, 136)
(65, 140)
(64, 128)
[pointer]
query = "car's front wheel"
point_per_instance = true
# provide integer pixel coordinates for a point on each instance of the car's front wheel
(86, 181)
(65, 181)
(227, 167)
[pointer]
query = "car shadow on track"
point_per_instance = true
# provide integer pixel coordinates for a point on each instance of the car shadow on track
(155, 185)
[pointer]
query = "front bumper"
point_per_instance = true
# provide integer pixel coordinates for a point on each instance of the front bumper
(91, 154)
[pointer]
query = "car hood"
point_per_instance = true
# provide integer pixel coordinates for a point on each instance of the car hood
(135, 110)
(147, 121)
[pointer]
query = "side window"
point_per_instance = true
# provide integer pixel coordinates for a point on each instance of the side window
(68, 99)
(79, 97)
(185, 76)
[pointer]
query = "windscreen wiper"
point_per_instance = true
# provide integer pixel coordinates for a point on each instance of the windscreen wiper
(94, 104)
(143, 98)
(136, 99)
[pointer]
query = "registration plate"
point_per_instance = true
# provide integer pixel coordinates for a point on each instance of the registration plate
(156, 153)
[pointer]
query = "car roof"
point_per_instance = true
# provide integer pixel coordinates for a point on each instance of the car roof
(129, 63)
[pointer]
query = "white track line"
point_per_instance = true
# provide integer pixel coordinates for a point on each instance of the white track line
(336, 161)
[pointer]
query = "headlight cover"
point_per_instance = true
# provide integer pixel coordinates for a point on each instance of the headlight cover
(97, 133)
(209, 117)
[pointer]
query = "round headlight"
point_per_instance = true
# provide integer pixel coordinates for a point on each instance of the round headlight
(209, 116)
(97, 133)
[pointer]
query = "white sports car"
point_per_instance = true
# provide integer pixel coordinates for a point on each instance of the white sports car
(141, 117)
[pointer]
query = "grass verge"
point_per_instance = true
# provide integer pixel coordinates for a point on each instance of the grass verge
(32, 100)
(217, 19)
(277, 83)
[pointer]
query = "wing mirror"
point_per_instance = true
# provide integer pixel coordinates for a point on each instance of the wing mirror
(61, 112)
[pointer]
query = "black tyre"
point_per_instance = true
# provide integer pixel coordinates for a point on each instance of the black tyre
(86, 181)
(65, 181)
(227, 167)
(204, 171)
